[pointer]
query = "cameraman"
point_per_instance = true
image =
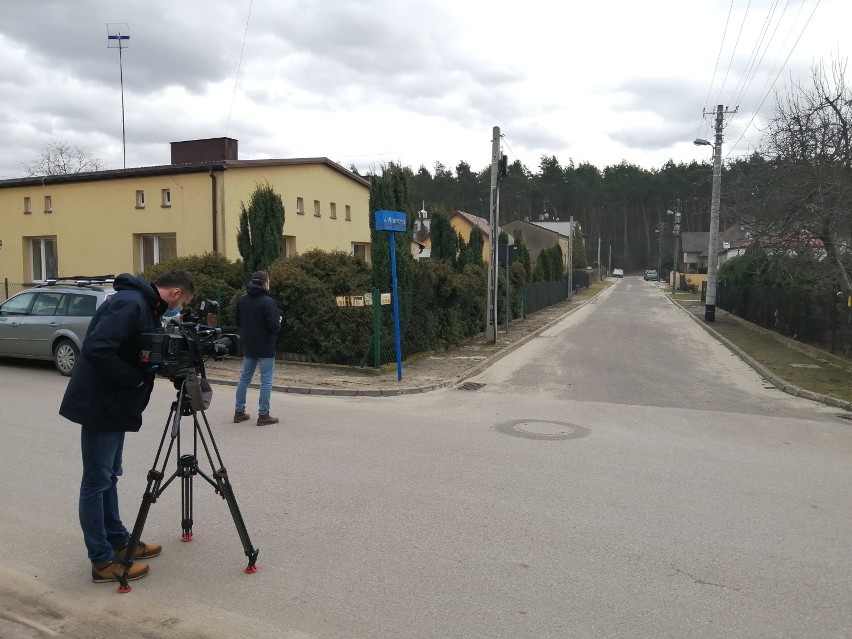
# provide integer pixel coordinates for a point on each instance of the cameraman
(259, 321)
(108, 391)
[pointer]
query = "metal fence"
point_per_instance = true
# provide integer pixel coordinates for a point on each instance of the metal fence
(819, 318)
(539, 295)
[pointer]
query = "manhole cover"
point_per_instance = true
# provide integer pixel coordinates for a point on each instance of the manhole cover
(541, 429)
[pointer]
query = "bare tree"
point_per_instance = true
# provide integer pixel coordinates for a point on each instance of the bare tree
(795, 196)
(59, 158)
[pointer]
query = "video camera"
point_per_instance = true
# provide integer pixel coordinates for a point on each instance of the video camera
(181, 348)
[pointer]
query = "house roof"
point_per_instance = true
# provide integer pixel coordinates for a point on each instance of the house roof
(174, 169)
(695, 241)
(483, 224)
(475, 220)
(563, 228)
(735, 236)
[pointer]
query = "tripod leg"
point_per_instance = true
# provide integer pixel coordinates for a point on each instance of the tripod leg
(223, 487)
(188, 468)
(150, 496)
(227, 493)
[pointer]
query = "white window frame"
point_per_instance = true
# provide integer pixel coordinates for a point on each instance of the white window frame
(48, 204)
(348, 213)
(167, 198)
(332, 210)
(300, 206)
(317, 208)
(288, 246)
(38, 251)
(157, 237)
(140, 199)
(28, 205)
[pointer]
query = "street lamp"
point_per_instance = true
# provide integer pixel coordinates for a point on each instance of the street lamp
(713, 252)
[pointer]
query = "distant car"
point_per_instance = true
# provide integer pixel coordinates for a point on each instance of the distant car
(50, 321)
(617, 272)
(651, 275)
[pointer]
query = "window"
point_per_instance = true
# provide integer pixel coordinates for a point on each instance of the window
(288, 245)
(332, 211)
(155, 249)
(361, 252)
(48, 204)
(28, 206)
(81, 305)
(348, 213)
(18, 305)
(300, 206)
(43, 258)
(140, 199)
(167, 198)
(46, 304)
(316, 208)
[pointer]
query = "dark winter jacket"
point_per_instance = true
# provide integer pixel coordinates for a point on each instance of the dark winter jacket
(259, 322)
(110, 387)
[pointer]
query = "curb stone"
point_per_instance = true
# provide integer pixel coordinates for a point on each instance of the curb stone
(764, 372)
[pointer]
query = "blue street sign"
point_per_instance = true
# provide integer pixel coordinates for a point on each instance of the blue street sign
(393, 221)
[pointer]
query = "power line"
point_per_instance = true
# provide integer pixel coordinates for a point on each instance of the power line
(733, 53)
(783, 44)
(752, 59)
(719, 55)
(776, 79)
(757, 65)
(239, 66)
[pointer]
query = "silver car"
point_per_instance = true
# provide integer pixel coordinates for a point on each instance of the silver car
(50, 321)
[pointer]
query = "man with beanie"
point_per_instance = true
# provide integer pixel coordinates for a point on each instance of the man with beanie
(259, 321)
(108, 390)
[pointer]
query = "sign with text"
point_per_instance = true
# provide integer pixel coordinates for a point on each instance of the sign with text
(384, 300)
(393, 221)
(350, 300)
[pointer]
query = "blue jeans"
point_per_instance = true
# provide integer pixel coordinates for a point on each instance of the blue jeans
(267, 365)
(103, 531)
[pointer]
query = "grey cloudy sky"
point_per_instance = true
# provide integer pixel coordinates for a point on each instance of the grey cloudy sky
(375, 81)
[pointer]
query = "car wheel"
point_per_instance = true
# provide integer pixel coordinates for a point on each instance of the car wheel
(65, 356)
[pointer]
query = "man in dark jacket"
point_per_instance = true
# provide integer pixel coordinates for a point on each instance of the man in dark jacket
(259, 322)
(106, 395)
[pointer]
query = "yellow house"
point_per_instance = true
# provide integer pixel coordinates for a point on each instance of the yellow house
(464, 223)
(108, 222)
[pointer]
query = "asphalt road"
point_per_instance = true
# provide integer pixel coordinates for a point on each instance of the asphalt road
(621, 475)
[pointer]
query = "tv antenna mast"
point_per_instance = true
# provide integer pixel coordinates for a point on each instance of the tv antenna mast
(118, 37)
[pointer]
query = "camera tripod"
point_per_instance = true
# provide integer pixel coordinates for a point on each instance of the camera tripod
(189, 402)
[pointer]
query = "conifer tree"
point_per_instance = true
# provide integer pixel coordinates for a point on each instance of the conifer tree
(261, 229)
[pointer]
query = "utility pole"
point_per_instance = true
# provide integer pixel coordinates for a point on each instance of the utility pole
(676, 232)
(713, 251)
(571, 258)
(599, 256)
(491, 306)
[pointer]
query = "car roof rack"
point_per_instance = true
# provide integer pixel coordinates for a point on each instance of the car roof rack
(79, 280)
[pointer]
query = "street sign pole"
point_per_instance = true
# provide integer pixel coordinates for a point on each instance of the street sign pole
(393, 222)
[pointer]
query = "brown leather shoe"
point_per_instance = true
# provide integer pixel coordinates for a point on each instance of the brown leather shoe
(143, 551)
(241, 417)
(266, 420)
(105, 573)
